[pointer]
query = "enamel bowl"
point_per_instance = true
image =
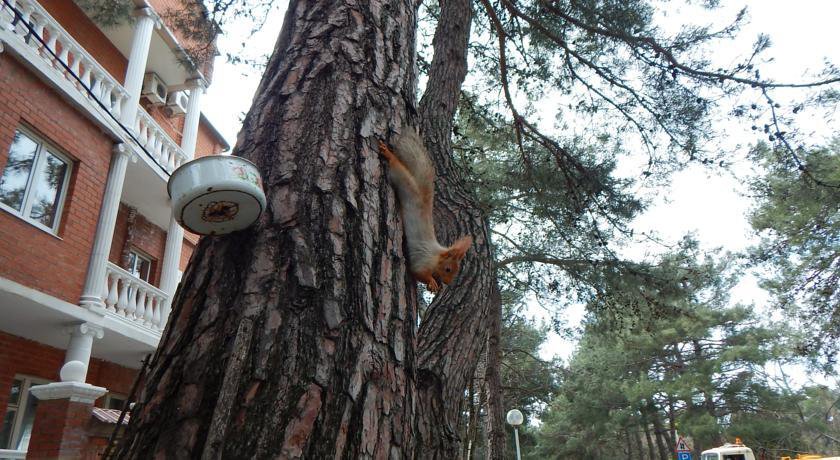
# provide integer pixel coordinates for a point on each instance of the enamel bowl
(216, 194)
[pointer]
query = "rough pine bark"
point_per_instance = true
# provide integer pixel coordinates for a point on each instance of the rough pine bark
(495, 409)
(661, 442)
(296, 338)
(636, 442)
(454, 329)
(650, 445)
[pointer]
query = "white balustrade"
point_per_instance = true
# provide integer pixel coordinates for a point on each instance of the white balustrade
(11, 453)
(69, 52)
(132, 298)
(103, 87)
(164, 150)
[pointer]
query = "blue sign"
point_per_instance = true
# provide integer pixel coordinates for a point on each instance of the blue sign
(684, 456)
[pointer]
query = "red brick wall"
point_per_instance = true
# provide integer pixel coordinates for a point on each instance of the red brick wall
(84, 31)
(97, 44)
(19, 356)
(148, 238)
(206, 142)
(28, 255)
(115, 378)
(186, 252)
(171, 125)
(120, 235)
(60, 430)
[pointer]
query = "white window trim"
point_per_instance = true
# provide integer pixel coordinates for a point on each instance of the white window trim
(26, 207)
(142, 255)
(23, 400)
(112, 396)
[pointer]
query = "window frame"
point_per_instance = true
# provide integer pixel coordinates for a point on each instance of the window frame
(138, 254)
(44, 147)
(110, 397)
(20, 408)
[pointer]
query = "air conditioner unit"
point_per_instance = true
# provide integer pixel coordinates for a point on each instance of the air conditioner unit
(176, 103)
(154, 89)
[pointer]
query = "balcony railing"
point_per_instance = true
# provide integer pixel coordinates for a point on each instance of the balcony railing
(12, 454)
(93, 76)
(162, 148)
(133, 299)
(68, 60)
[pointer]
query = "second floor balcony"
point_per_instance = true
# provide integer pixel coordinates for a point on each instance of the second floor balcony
(97, 103)
(98, 77)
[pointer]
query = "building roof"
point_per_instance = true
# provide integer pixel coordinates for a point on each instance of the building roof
(110, 415)
(206, 122)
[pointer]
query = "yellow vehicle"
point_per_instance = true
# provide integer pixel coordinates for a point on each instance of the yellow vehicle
(729, 451)
(738, 451)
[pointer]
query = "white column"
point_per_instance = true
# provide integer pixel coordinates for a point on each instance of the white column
(175, 234)
(95, 281)
(81, 343)
(144, 25)
(171, 262)
(191, 118)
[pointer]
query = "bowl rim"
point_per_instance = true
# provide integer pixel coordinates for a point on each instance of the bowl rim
(196, 160)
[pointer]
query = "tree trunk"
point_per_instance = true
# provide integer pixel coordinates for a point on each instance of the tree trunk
(651, 447)
(640, 450)
(296, 338)
(659, 430)
(478, 399)
(672, 421)
(472, 416)
(628, 448)
(493, 377)
(454, 330)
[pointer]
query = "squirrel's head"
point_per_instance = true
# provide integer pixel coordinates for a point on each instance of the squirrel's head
(450, 260)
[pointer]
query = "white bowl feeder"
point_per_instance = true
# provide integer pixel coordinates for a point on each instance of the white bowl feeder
(216, 194)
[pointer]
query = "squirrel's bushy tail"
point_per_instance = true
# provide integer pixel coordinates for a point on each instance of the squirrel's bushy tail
(409, 147)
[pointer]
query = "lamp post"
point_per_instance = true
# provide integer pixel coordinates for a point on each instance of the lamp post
(514, 419)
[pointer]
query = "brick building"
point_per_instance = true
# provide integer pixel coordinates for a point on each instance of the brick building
(93, 119)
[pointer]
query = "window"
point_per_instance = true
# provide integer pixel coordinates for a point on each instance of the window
(34, 181)
(114, 401)
(20, 414)
(139, 265)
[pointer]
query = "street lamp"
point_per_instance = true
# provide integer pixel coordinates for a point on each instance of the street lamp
(514, 419)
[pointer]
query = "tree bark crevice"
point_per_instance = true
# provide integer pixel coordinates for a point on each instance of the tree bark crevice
(296, 338)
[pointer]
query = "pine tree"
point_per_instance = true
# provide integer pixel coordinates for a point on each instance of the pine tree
(299, 338)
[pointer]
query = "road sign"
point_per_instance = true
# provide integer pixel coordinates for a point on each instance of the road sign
(682, 446)
(683, 455)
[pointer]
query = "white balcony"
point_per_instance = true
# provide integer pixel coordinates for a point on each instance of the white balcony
(134, 312)
(12, 454)
(133, 300)
(157, 143)
(71, 69)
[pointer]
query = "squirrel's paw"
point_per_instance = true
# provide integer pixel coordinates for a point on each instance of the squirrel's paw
(433, 286)
(384, 150)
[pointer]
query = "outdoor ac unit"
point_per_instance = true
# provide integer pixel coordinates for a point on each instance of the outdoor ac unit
(154, 89)
(176, 103)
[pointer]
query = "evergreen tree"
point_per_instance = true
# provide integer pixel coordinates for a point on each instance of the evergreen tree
(310, 312)
(797, 215)
(695, 372)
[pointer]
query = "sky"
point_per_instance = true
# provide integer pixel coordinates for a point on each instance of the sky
(709, 203)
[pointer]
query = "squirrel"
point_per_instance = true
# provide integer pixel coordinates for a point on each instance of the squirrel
(412, 174)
